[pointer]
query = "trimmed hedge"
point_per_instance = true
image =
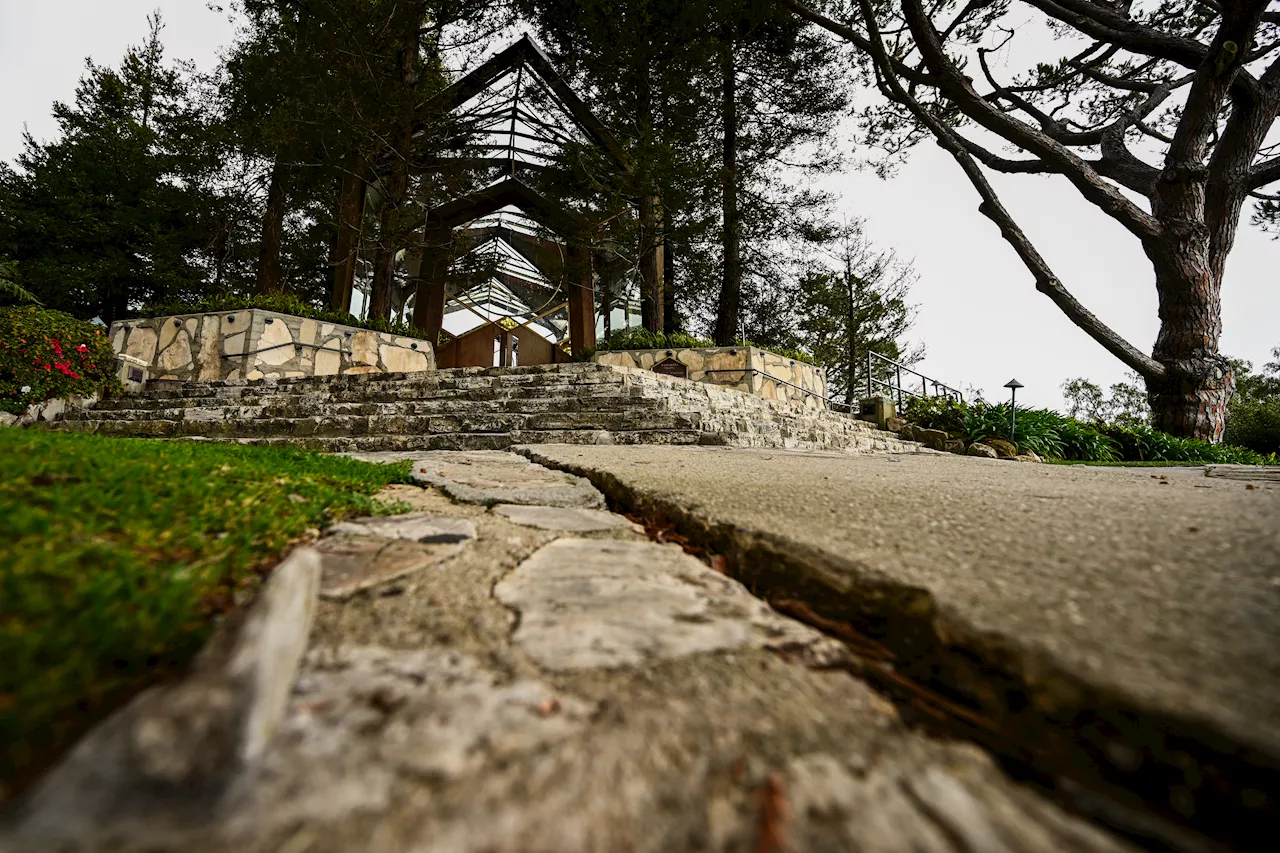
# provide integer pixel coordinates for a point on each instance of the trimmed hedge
(47, 354)
(1056, 436)
(638, 337)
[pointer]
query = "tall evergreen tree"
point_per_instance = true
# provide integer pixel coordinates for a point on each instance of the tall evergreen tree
(641, 65)
(110, 214)
(857, 305)
(780, 98)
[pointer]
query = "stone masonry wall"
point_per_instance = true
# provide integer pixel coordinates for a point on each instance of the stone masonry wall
(741, 421)
(748, 369)
(257, 344)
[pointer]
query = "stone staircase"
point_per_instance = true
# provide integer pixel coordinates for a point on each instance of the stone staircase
(474, 408)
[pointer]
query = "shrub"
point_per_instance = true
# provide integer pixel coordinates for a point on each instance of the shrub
(638, 337)
(1144, 444)
(12, 293)
(1056, 436)
(1084, 443)
(1036, 429)
(1254, 424)
(48, 354)
(941, 413)
(283, 303)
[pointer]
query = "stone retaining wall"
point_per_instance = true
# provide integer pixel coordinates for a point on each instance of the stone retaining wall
(257, 344)
(748, 369)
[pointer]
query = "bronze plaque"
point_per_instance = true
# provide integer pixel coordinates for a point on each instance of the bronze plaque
(671, 367)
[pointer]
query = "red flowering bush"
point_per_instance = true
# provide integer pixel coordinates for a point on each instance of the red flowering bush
(48, 354)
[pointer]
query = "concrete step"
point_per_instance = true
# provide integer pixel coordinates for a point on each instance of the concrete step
(464, 440)
(484, 407)
(394, 424)
(276, 408)
(389, 394)
(457, 378)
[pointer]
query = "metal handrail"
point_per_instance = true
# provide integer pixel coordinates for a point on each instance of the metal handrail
(940, 389)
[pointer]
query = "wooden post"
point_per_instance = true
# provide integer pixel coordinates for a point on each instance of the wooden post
(582, 301)
(351, 197)
(428, 308)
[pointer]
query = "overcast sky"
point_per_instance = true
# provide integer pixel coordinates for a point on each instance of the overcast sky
(980, 315)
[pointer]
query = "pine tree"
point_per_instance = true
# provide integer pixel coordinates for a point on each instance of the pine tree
(781, 95)
(108, 216)
(857, 308)
(640, 64)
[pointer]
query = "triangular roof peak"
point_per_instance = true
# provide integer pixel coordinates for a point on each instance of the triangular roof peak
(527, 53)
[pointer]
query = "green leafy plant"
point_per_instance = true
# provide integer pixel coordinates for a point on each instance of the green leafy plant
(47, 354)
(1036, 429)
(1056, 436)
(1141, 444)
(942, 413)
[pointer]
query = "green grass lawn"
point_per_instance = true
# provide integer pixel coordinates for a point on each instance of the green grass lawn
(118, 555)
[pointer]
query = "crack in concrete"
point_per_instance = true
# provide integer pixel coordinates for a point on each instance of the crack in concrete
(1164, 781)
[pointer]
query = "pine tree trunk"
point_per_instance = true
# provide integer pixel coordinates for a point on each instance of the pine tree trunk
(852, 332)
(350, 211)
(1191, 400)
(726, 332)
(384, 262)
(651, 263)
(650, 222)
(272, 227)
(397, 183)
(606, 307)
(670, 321)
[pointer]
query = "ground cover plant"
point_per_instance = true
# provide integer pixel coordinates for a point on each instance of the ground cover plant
(1055, 436)
(638, 337)
(283, 303)
(120, 554)
(48, 354)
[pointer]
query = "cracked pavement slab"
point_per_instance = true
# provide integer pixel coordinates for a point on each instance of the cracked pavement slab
(587, 604)
(1141, 601)
(565, 519)
(1167, 591)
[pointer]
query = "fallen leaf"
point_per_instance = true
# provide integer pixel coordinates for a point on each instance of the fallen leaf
(772, 800)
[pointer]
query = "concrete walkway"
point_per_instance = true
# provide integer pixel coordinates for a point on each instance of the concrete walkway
(512, 668)
(1136, 609)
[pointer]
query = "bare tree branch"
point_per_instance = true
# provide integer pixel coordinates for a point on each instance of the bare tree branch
(961, 92)
(906, 72)
(1266, 172)
(993, 209)
(1107, 24)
